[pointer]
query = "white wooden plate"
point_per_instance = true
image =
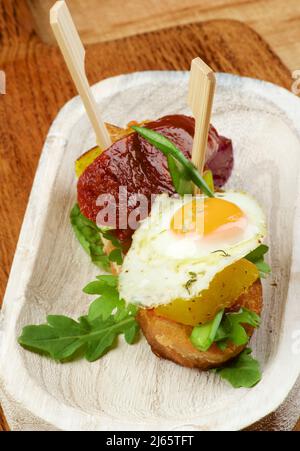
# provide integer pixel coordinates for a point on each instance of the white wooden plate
(130, 388)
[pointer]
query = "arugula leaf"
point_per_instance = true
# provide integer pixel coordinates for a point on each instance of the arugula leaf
(204, 335)
(108, 235)
(61, 343)
(243, 371)
(168, 148)
(103, 306)
(263, 267)
(96, 349)
(131, 334)
(102, 283)
(116, 256)
(232, 327)
(258, 253)
(88, 235)
(63, 338)
(257, 257)
(109, 300)
(224, 328)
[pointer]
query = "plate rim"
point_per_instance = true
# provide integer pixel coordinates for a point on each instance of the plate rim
(11, 306)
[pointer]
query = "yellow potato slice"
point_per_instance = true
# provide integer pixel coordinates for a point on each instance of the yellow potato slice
(223, 290)
(88, 157)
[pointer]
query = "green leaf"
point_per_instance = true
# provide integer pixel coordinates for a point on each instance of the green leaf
(180, 177)
(116, 256)
(102, 307)
(108, 235)
(209, 178)
(63, 343)
(237, 333)
(203, 336)
(224, 328)
(58, 343)
(64, 339)
(243, 371)
(263, 267)
(88, 235)
(108, 279)
(99, 287)
(97, 349)
(131, 334)
(232, 329)
(258, 253)
(106, 286)
(60, 322)
(257, 257)
(168, 148)
(132, 309)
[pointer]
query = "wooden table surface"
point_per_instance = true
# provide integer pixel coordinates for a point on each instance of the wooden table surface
(38, 85)
(277, 21)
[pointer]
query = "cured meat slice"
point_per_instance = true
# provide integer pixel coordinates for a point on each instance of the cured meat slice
(135, 164)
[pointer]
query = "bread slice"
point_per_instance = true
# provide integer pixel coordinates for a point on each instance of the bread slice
(170, 340)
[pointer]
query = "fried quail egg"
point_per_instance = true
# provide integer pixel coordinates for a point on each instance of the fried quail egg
(178, 250)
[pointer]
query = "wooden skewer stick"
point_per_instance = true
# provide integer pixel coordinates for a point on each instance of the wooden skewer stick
(200, 99)
(74, 54)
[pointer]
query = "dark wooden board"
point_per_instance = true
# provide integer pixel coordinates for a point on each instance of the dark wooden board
(38, 85)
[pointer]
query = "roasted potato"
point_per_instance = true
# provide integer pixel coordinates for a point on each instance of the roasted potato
(88, 157)
(170, 340)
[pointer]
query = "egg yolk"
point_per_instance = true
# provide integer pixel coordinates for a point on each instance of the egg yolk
(223, 291)
(208, 217)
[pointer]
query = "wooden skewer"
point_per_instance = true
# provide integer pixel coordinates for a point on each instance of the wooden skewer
(200, 99)
(74, 54)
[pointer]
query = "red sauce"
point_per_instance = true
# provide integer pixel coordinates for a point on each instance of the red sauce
(143, 169)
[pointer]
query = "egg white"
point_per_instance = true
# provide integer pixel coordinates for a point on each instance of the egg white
(159, 264)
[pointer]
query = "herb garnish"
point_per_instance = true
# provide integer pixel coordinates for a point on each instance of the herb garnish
(224, 328)
(190, 282)
(231, 328)
(243, 371)
(181, 169)
(221, 251)
(65, 339)
(257, 257)
(89, 236)
(204, 335)
(180, 177)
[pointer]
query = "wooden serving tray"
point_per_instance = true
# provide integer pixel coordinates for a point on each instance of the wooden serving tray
(38, 85)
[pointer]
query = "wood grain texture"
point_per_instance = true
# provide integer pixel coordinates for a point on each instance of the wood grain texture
(3, 423)
(38, 85)
(277, 21)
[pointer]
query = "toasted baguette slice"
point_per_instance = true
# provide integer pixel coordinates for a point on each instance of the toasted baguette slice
(170, 340)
